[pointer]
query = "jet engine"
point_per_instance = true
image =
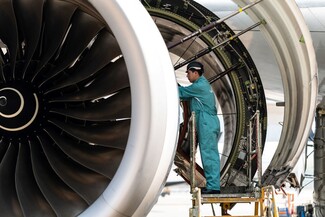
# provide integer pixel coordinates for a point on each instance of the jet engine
(89, 109)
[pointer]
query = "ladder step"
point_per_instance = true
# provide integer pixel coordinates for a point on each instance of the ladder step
(223, 195)
(235, 190)
(234, 216)
(215, 198)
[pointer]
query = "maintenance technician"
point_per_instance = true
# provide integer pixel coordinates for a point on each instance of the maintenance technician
(203, 103)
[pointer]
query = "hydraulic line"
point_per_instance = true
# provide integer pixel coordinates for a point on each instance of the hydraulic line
(220, 75)
(209, 49)
(211, 25)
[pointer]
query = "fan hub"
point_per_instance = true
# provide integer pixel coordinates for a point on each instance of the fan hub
(19, 107)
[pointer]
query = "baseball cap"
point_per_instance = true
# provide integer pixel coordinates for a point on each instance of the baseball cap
(195, 66)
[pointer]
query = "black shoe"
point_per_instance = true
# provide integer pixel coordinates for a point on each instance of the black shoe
(208, 191)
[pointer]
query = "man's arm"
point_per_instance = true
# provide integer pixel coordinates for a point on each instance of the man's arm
(190, 91)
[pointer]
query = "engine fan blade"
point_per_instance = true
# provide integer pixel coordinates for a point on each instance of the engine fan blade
(3, 149)
(31, 199)
(93, 157)
(10, 35)
(84, 25)
(57, 16)
(112, 134)
(29, 18)
(9, 204)
(2, 75)
(110, 79)
(61, 197)
(98, 59)
(88, 184)
(115, 107)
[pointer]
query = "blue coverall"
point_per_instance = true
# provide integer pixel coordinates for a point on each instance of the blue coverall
(203, 103)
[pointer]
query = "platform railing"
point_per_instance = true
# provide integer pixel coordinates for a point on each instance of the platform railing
(255, 120)
(192, 139)
(264, 197)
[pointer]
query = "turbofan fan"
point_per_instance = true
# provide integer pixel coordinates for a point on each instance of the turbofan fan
(65, 111)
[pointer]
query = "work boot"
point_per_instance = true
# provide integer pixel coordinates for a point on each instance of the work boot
(209, 191)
